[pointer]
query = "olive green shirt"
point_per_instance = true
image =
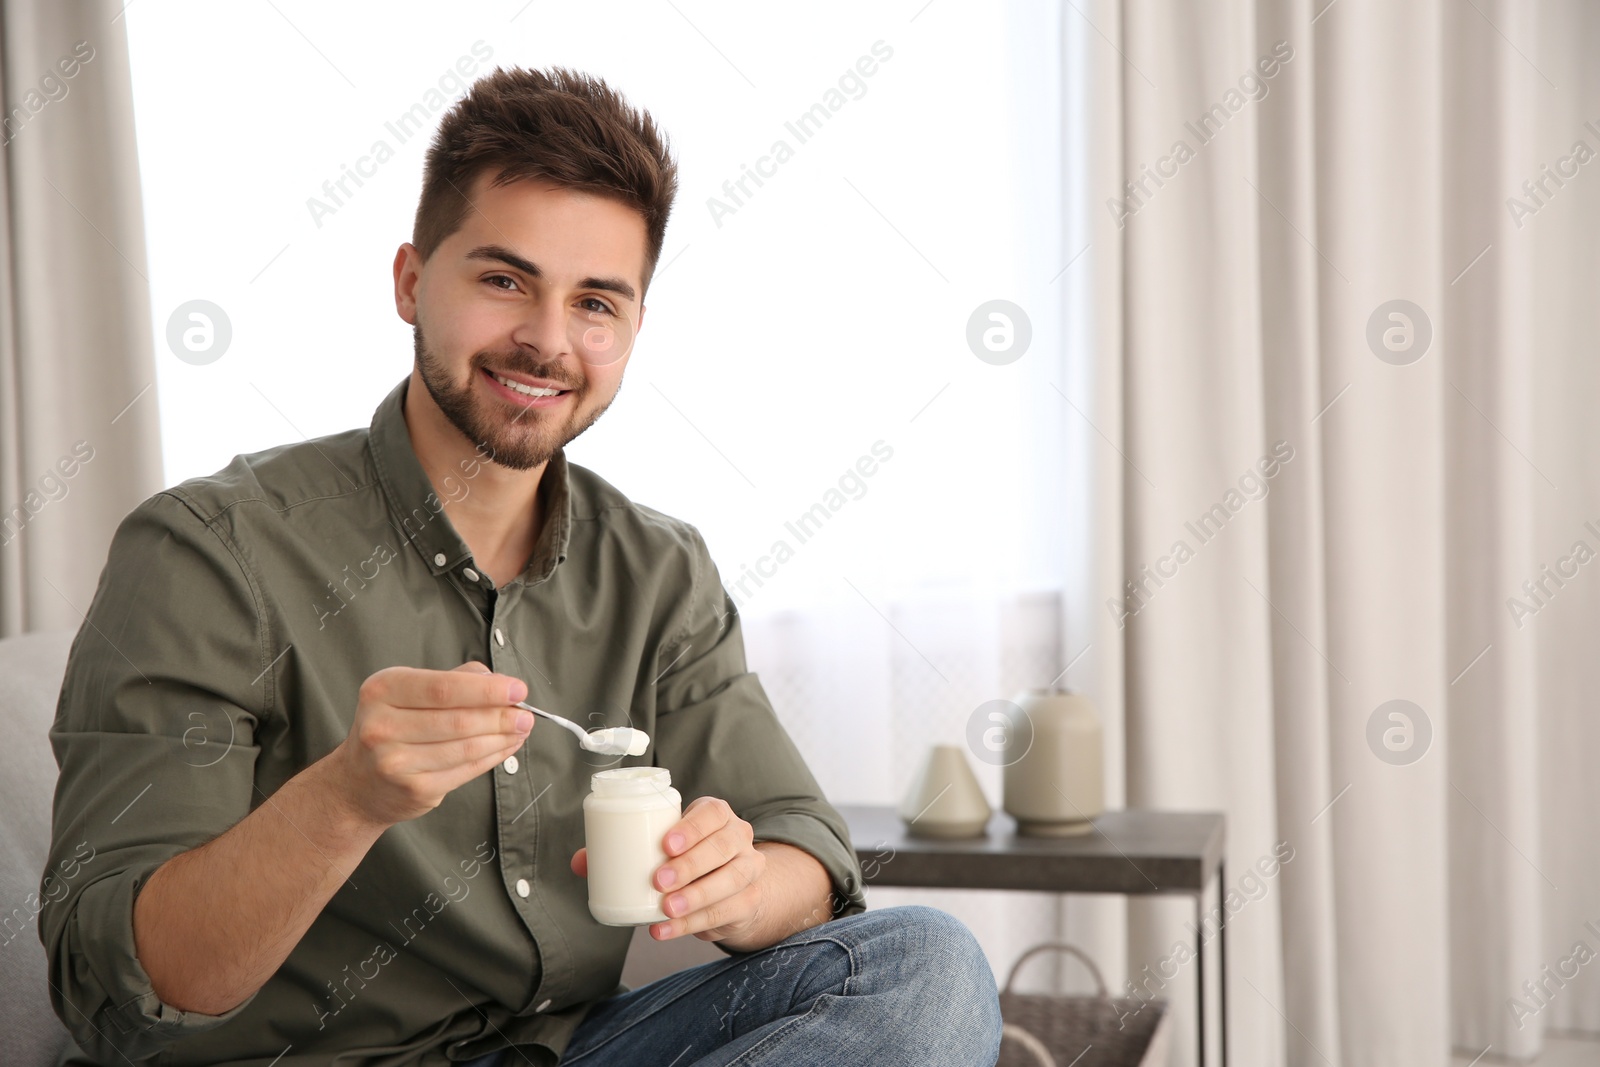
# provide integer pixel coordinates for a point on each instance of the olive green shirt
(235, 619)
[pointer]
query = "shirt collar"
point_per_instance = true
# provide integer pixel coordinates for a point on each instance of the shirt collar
(418, 512)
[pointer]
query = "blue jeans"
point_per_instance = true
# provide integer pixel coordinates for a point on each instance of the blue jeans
(890, 987)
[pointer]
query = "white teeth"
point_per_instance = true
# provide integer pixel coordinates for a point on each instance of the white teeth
(519, 387)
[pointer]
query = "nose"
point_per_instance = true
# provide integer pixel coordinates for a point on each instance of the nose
(543, 328)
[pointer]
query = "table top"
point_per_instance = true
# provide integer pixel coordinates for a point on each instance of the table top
(1131, 851)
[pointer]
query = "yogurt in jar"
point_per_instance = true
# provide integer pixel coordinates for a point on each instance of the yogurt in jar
(625, 816)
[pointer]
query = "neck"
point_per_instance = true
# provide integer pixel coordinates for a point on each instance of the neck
(495, 509)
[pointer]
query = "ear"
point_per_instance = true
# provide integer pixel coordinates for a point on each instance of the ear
(407, 279)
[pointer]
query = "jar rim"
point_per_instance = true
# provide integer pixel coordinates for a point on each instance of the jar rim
(631, 780)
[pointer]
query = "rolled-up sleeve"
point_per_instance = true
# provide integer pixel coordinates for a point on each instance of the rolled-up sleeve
(155, 729)
(717, 733)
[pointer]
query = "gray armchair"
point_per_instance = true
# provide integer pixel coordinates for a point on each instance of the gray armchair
(31, 667)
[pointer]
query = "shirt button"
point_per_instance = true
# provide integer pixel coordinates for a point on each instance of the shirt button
(499, 638)
(544, 1005)
(438, 559)
(471, 574)
(523, 888)
(511, 765)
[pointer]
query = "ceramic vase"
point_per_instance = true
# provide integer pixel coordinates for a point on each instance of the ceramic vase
(945, 799)
(1056, 787)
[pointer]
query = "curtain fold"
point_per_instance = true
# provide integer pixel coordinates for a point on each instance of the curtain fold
(79, 437)
(1490, 533)
(1318, 244)
(1293, 395)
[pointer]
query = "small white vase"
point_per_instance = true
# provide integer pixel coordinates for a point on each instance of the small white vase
(945, 799)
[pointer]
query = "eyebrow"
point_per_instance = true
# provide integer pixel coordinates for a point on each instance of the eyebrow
(501, 254)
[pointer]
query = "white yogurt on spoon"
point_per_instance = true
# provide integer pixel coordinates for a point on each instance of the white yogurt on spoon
(616, 741)
(611, 741)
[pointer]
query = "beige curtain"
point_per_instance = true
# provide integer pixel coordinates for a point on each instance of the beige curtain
(1241, 297)
(79, 444)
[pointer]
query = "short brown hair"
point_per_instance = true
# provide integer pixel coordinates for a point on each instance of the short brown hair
(559, 126)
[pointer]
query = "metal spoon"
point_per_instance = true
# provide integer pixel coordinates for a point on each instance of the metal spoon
(612, 741)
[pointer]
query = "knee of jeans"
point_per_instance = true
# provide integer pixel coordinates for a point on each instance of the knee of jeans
(943, 966)
(948, 939)
(935, 948)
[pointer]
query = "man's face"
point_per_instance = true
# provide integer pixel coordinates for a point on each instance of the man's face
(539, 285)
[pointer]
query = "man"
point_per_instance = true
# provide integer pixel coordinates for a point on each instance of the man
(323, 832)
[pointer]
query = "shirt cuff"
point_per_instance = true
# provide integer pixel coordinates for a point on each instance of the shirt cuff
(101, 989)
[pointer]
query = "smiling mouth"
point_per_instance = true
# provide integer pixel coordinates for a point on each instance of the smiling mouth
(526, 390)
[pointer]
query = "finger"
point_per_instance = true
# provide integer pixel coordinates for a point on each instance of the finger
(414, 687)
(728, 841)
(580, 863)
(732, 877)
(474, 667)
(449, 755)
(415, 726)
(716, 920)
(703, 817)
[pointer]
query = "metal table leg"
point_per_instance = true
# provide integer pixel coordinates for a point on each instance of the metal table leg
(1222, 959)
(1200, 967)
(1222, 967)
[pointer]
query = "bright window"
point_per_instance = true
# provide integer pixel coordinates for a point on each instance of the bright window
(788, 334)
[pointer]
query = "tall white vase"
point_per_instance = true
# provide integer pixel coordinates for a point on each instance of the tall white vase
(1057, 786)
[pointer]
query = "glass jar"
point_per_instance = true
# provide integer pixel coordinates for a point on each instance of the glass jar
(625, 817)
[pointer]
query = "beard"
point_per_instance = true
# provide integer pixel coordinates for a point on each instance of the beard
(521, 441)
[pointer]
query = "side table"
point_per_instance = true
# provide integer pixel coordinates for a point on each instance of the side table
(1128, 852)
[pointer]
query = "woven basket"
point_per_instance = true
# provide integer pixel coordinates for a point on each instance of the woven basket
(1046, 1030)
